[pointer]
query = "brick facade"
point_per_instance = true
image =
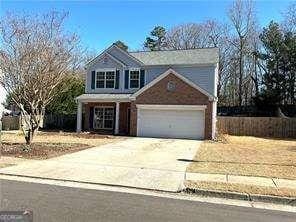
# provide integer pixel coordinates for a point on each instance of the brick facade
(183, 94)
(123, 118)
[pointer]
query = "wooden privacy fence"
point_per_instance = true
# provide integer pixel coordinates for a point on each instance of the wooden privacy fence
(52, 122)
(258, 126)
(11, 122)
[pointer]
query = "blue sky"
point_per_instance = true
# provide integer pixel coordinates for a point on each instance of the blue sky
(99, 23)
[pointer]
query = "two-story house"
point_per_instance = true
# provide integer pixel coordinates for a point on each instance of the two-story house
(170, 94)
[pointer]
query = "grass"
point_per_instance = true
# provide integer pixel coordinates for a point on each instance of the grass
(51, 144)
(245, 155)
(241, 188)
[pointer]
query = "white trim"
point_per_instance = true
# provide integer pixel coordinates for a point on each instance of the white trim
(79, 117)
(105, 70)
(171, 71)
(171, 107)
(97, 98)
(214, 119)
(216, 79)
(117, 117)
(103, 100)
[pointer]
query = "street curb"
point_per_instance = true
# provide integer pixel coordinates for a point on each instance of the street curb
(216, 193)
(92, 183)
(274, 199)
(242, 196)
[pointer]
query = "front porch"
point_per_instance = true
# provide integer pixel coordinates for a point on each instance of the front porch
(104, 113)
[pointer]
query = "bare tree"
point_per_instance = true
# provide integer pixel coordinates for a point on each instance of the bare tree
(200, 35)
(241, 15)
(217, 35)
(186, 36)
(36, 55)
(290, 18)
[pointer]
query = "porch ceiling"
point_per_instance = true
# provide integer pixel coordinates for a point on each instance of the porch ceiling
(104, 98)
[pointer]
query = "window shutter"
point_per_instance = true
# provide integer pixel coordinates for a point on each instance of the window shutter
(117, 79)
(91, 118)
(142, 78)
(93, 79)
(126, 75)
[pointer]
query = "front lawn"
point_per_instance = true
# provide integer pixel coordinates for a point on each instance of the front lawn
(245, 155)
(51, 144)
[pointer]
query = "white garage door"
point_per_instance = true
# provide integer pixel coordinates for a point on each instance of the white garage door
(170, 123)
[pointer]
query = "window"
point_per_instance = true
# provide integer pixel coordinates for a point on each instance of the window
(100, 80)
(105, 79)
(110, 79)
(103, 117)
(134, 79)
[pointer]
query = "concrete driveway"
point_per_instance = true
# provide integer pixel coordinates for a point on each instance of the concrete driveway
(148, 163)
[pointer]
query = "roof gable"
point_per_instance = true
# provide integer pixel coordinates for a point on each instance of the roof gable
(108, 52)
(184, 79)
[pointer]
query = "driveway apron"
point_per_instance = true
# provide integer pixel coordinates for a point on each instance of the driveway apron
(148, 163)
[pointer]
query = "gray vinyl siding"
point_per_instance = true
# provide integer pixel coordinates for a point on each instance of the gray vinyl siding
(128, 61)
(203, 76)
(111, 64)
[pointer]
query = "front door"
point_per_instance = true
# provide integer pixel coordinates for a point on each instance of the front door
(103, 118)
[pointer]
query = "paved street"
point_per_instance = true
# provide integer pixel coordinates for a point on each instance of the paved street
(148, 163)
(56, 203)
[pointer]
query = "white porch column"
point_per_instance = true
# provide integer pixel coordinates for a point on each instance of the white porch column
(79, 117)
(117, 118)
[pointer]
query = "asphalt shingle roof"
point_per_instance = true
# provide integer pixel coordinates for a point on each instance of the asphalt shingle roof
(178, 57)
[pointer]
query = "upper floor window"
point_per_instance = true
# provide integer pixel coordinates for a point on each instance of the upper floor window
(134, 79)
(105, 79)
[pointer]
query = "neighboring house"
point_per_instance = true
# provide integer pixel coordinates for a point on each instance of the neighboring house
(170, 94)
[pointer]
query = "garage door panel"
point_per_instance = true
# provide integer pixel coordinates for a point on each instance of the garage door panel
(171, 123)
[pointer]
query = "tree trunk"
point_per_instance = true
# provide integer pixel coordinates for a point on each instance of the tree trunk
(255, 79)
(29, 136)
(279, 113)
(240, 83)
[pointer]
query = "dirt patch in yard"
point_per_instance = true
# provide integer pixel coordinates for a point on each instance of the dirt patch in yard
(39, 150)
(245, 155)
(51, 144)
(63, 137)
(241, 188)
